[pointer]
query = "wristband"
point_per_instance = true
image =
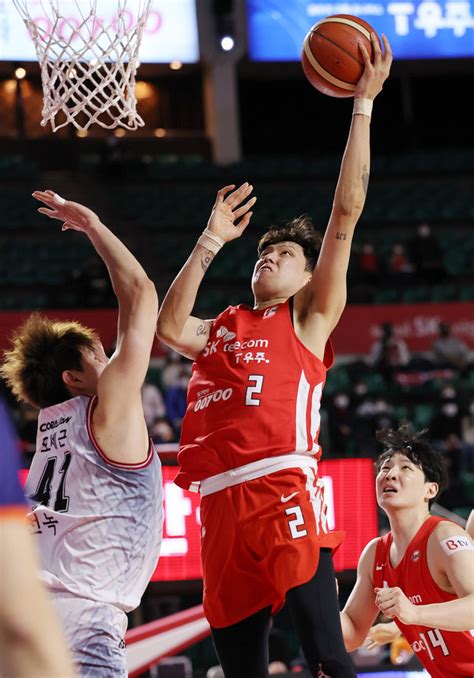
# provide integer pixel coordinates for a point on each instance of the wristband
(210, 241)
(363, 107)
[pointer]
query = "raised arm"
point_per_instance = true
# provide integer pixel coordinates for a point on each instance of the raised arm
(176, 326)
(360, 611)
(118, 418)
(326, 296)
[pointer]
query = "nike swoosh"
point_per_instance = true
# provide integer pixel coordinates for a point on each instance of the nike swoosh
(379, 567)
(284, 499)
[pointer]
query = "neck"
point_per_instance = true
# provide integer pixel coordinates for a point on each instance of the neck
(405, 523)
(260, 304)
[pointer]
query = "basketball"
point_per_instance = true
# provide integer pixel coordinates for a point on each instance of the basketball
(331, 58)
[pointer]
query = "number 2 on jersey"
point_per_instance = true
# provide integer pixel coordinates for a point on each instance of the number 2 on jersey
(254, 389)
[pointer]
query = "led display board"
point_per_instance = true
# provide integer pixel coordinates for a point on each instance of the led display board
(416, 29)
(170, 33)
(350, 495)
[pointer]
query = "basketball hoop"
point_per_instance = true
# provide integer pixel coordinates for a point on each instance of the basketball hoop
(88, 61)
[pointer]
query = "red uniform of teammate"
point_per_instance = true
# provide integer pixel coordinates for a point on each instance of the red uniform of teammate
(421, 574)
(445, 654)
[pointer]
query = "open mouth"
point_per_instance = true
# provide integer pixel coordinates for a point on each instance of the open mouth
(389, 490)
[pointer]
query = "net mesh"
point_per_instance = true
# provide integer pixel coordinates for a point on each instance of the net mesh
(88, 65)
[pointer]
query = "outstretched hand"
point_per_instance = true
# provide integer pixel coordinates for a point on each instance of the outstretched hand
(381, 634)
(229, 217)
(74, 216)
(372, 79)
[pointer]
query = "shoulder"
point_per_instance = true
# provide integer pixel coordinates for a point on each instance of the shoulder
(449, 538)
(367, 557)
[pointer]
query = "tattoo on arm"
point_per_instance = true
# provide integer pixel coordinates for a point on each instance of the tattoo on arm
(206, 259)
(365, 179)
(202, 329)
(341, 236)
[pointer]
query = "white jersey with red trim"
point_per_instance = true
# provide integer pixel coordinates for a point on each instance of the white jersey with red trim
(99, 523)
(255, 392)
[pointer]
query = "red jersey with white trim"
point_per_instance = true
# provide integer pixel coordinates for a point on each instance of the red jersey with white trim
(445, 654)
(255, 392)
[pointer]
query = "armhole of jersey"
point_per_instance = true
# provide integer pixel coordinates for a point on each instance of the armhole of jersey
(379, 559)
(130, 467)
(291, 303)
(328, 358)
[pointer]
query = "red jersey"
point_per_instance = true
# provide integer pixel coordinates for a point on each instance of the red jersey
(445, 654)
(255, 392)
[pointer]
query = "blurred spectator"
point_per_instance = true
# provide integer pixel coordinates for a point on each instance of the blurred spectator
(175, 399)
(447, 422)
(399, 266)
(173, 368)
(153, 403)
(448, 350)
(389, 353)
(341, 420)
(467, 432)
(368, 263)
(161, 431)
(427, 255)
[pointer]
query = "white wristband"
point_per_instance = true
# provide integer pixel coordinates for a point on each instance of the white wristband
(363, 107)
(210, 241)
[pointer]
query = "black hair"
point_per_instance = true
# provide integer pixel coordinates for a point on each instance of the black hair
(299, 230)
(413, 444)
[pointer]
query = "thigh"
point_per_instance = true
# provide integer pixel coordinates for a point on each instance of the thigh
(314, 608)
(242, 648)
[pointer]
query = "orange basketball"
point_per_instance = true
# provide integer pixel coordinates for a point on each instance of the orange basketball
(331, 58)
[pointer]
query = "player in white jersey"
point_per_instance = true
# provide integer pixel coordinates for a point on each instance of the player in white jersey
(95, 481)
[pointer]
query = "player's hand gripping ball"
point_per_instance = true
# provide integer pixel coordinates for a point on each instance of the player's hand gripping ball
(331, 58)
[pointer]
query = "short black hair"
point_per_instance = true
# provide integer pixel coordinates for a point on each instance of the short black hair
(299, 230)
(413, 444)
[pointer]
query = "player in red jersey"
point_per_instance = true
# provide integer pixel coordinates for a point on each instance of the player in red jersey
(249, 439)
(421, 574)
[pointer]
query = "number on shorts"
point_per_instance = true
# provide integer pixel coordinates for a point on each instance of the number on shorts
(256, 387)
(296, 522)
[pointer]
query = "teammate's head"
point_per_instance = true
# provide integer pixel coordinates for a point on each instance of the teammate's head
(287, 256)
(52, 360)
(409, 470)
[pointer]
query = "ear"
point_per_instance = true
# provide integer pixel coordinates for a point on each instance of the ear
(71, 378)
(432, 490)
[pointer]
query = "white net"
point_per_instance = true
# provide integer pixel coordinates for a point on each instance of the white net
(88, 60)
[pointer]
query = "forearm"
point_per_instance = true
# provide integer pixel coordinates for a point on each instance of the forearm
(179, 301)
(455, 615)
(124, 269)
(352, 638)
(351, 189)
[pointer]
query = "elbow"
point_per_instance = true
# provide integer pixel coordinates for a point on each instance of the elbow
(165, 331)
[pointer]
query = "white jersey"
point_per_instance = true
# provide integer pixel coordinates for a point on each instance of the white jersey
(99, 522)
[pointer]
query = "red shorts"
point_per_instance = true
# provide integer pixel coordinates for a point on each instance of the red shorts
(260, 539)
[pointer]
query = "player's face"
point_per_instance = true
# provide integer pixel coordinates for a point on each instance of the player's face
(93, 364)
(280, 271)
(401, 484)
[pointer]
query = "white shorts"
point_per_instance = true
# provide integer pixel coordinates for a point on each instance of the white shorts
(95, 633)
